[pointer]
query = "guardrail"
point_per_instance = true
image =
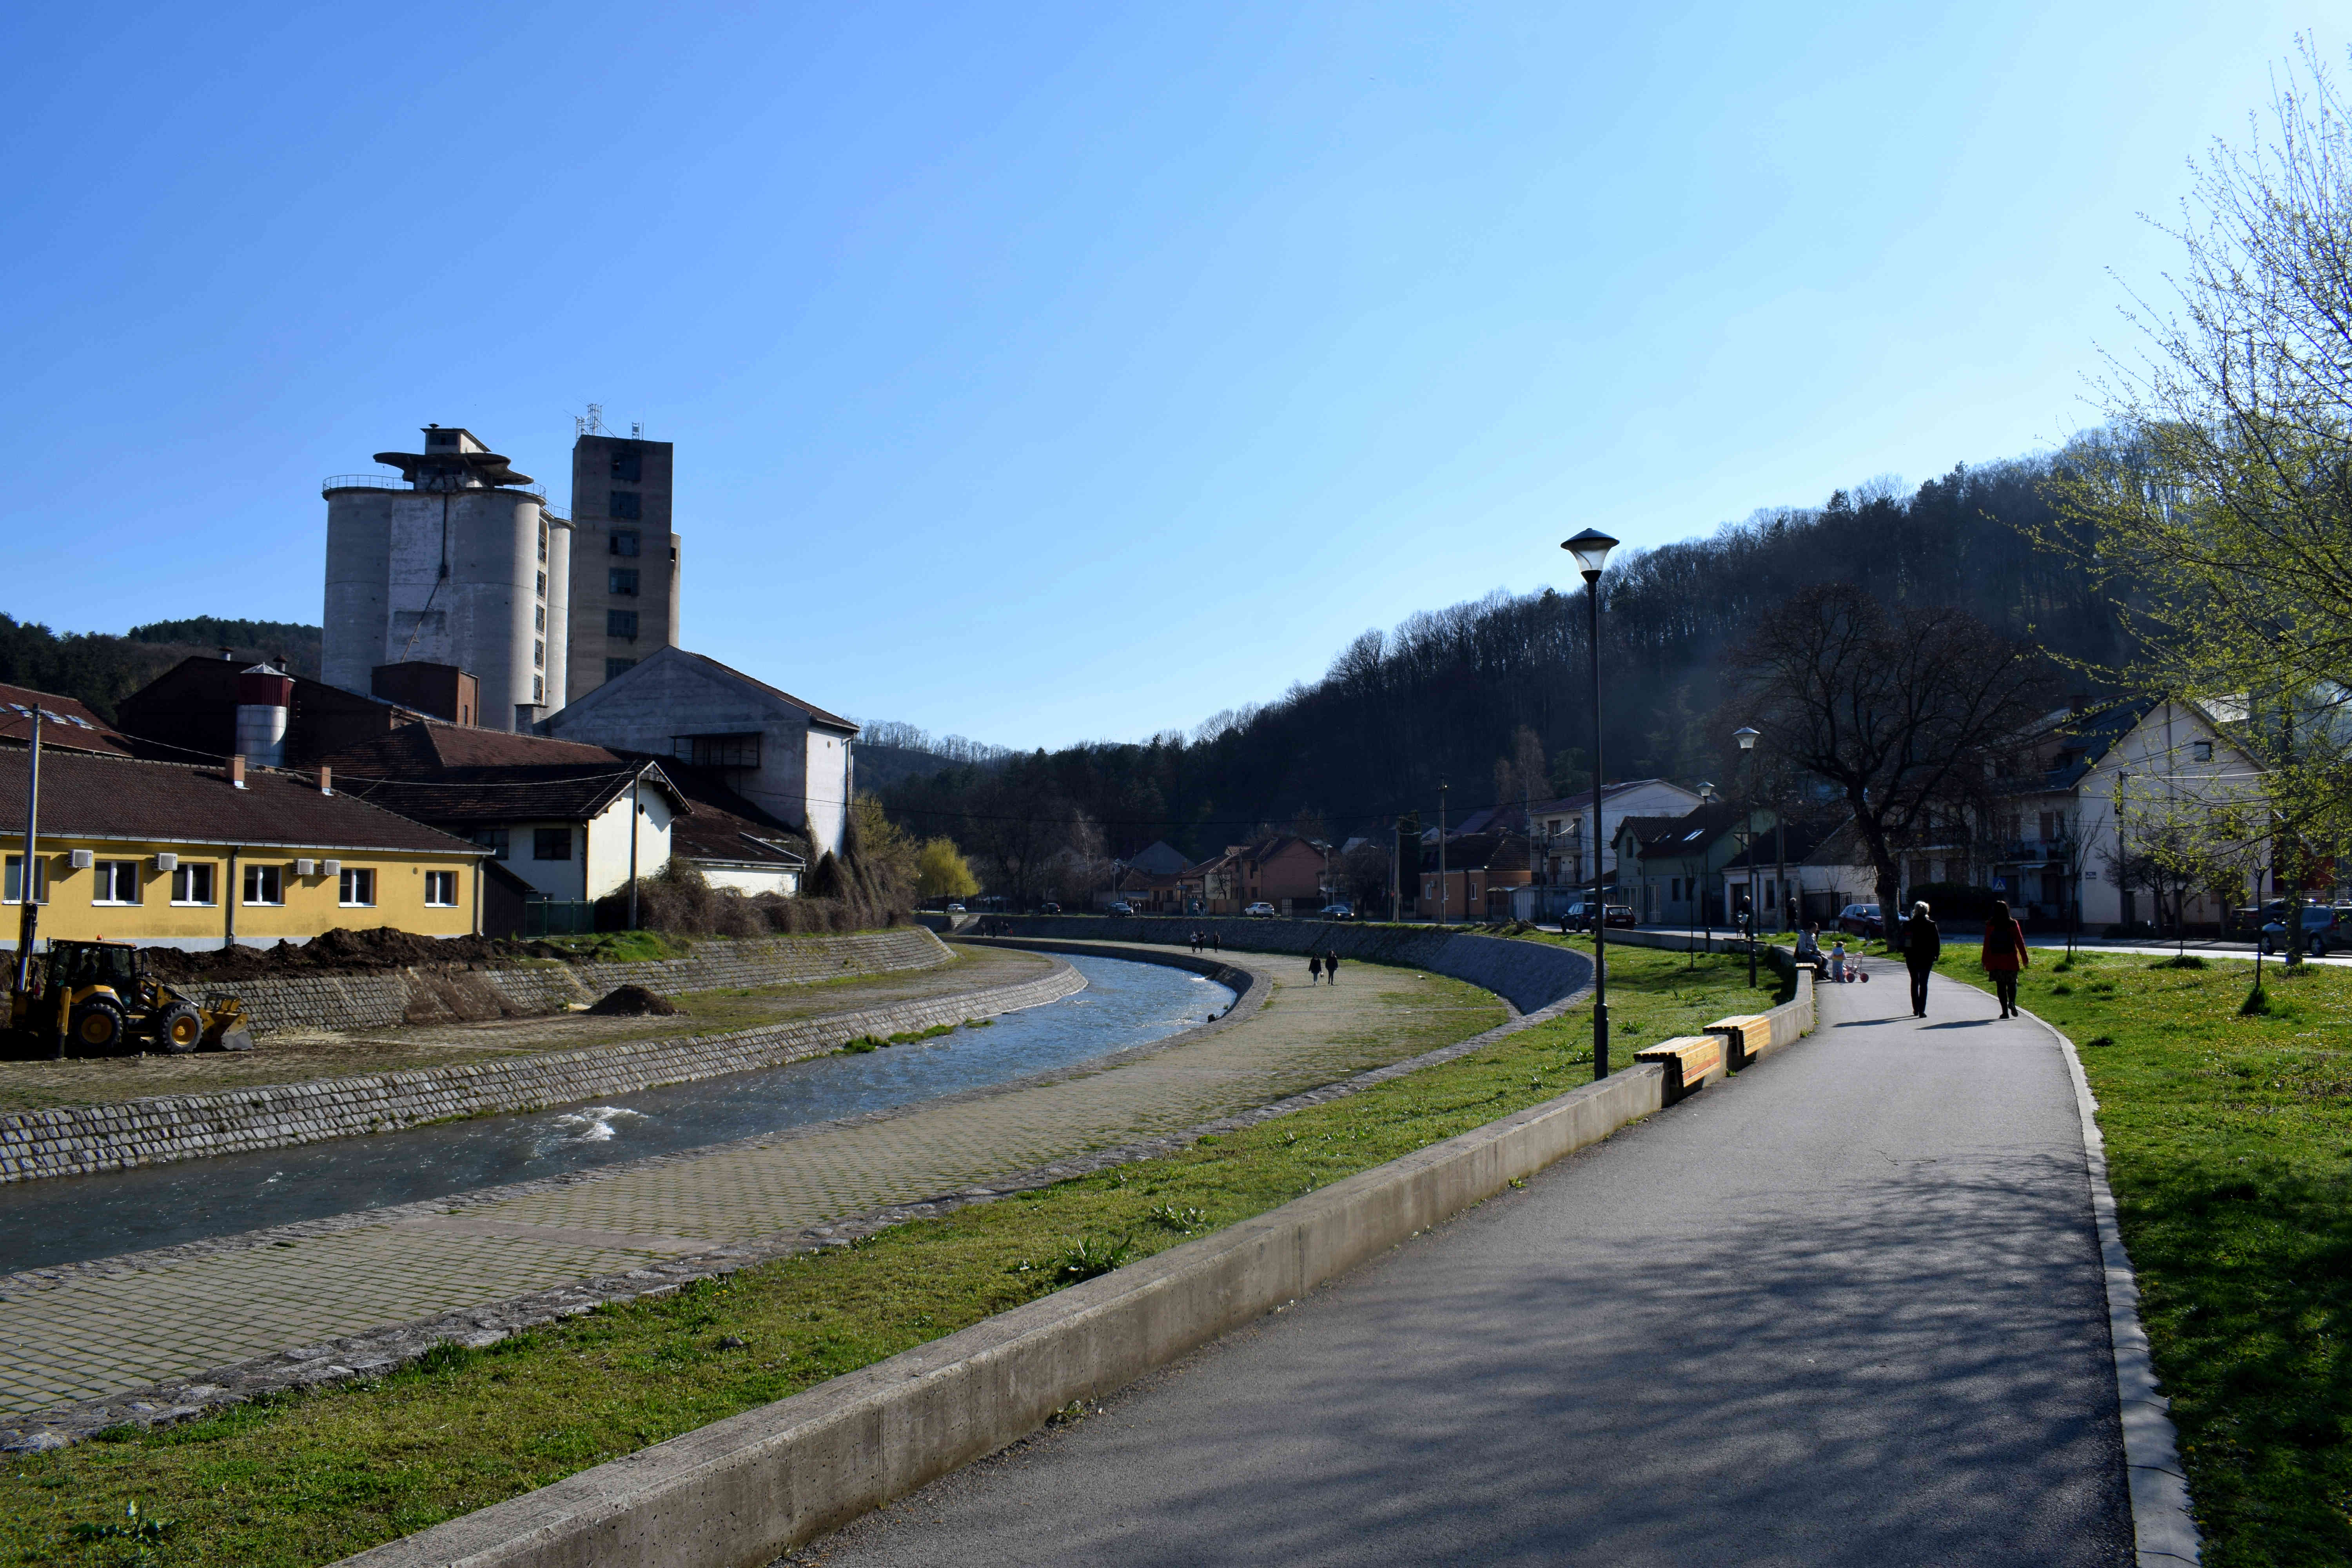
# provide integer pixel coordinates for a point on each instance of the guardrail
(394, 482)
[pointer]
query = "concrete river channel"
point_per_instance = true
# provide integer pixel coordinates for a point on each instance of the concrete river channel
(73, 1218)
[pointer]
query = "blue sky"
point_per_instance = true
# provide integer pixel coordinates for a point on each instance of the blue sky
(1052, 373)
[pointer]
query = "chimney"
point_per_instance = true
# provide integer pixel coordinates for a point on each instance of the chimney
(326, 780)
(236, 771)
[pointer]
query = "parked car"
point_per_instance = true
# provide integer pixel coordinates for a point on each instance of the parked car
(1260, 911)
(1580, 916)
(1861, 919)
(1338, 912)
(1121, 910)
(2317, 930)
(1049, 909)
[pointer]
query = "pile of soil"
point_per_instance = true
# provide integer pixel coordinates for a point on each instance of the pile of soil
(341, 951)
(633, 1002)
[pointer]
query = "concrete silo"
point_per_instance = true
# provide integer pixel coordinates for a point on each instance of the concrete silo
(454, 563)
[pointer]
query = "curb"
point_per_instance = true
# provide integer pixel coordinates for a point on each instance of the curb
(2164, 1529)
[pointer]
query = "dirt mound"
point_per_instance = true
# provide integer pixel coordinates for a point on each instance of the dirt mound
(341, 951)
(633, 1002)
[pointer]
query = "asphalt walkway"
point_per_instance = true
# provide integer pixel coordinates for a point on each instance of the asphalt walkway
(95, 1330)
(1846, 1309)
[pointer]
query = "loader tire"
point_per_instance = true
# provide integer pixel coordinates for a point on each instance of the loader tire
(100, 1028)
(180, 1030)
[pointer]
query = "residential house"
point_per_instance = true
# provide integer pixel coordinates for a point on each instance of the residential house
(1485, 875)
(173, 855)
(791, 759)
(65, 724)
(1671, 869)
(1564, 831)
(1160, 859)
(1287, 871)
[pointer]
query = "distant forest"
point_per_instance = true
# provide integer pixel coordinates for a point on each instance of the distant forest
(101, 669)
(1487, 694)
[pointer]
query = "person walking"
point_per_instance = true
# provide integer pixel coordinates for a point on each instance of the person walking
(1922, 945)
(1331, 968)
(1216, 941)
(2004, 955)
(1314, 968)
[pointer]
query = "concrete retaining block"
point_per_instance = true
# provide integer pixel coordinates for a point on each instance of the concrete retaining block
(739, 1492)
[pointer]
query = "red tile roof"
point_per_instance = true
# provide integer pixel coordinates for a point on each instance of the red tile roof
(90, 796)
(449, 774)
(64, 723)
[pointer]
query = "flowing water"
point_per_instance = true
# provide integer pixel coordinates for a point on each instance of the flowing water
(71, 1218)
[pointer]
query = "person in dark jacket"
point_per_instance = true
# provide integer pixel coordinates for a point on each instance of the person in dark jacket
(1922, 945)
(2004, 955)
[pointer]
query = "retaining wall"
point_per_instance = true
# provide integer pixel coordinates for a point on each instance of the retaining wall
(437, 994)
(80, 1140)
(1531, 975)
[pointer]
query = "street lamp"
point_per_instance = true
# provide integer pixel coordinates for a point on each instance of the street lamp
(1591, 549)
(1747, 739)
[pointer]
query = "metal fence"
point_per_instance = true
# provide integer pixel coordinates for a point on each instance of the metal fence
(558, 917)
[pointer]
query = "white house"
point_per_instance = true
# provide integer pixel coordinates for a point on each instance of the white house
(1563, 827)
(791, 759)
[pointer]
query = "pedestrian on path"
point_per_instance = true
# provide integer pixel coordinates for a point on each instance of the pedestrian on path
(1922, 945)
(1216, 941)
(1314, 969)
(2004, 955)
(1331, 967)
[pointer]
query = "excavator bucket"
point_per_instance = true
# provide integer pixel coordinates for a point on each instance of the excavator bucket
(225, 1027)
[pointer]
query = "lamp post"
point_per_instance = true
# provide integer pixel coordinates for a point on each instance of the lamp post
(1747, 739)
(1591, 549)
(1444, 910)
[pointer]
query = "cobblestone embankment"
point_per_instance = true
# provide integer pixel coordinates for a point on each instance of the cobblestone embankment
(1531, 975)
(80, 1140)
(435, 994)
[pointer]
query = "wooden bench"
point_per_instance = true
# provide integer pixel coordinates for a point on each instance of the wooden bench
(1689, 1062)
(1747, 1036)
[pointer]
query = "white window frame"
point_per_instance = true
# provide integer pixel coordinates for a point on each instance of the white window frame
(356, 878)
(16, 868)
(443, 879)
(110, 875)
(257, 876)
(184, 876)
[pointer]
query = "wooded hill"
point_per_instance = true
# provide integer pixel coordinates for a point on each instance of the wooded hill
(100, 669)
(1482, 693)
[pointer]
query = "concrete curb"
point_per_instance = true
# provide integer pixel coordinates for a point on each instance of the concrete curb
(745, 1490)
(2164, 1529)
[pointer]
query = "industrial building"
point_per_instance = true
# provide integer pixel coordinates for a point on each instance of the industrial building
(624, 556)
(456, 563)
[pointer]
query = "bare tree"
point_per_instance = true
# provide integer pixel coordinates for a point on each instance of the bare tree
(1908, 715)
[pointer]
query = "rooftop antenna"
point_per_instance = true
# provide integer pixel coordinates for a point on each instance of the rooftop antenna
(591, 422)
(636, 429)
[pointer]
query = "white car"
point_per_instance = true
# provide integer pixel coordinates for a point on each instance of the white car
(1260, 911)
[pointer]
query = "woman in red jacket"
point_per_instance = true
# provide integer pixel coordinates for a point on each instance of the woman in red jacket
(2004, 955)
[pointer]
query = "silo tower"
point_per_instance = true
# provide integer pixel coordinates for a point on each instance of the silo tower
(456, 562)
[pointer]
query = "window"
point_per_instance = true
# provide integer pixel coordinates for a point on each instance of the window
(613, 666)
(624, 580)
(539, 688)
(621, 624)
(624, 542)
(191, 885)
(118, 883)
(629, 467)
(494, 839)
(265, 884)
(539, 656)
(2201, 750)
(358, 887)
(625, 504)
(542, 544)
(716, 751)
(551, 844)
(441, 889)
(441, 438)
(538, 623)
(543, 584)
(15, 880)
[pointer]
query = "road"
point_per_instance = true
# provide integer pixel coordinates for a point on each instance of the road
(1844, 1310)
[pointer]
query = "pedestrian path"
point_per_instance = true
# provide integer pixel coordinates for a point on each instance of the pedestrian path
(101, 1329)
(1846, 1310)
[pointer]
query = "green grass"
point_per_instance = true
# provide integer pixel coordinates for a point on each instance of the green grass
(309, 1478)
(622, 946)
(2230, 1150)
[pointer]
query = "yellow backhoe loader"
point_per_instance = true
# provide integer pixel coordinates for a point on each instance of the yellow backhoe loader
(96, 999)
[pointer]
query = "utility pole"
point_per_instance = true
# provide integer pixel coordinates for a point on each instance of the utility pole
(1444, 893)
(28, 921)
(636, 804)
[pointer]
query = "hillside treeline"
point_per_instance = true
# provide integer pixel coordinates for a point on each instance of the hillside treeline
(101, 669)
(1494, 694)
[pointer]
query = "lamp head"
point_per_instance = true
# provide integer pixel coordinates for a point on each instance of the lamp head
(1746, 737)
(1591, 550)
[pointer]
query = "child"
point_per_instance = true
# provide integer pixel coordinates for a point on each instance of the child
(1837, 962)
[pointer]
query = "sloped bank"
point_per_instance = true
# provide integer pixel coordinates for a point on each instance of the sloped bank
(1529, 975)
(436, 994)
(81, 1139)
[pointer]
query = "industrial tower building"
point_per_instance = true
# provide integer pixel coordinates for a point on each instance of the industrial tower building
(625, 565)
(465, 567)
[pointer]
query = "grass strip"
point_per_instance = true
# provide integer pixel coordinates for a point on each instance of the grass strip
(309, 1478)
(2229, 1149)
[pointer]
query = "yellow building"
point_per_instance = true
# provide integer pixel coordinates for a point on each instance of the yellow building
(166, 855)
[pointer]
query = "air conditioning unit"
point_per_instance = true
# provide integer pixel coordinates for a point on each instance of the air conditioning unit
(306, 867)
(81, 859)
(167, 861)
(330, 867)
